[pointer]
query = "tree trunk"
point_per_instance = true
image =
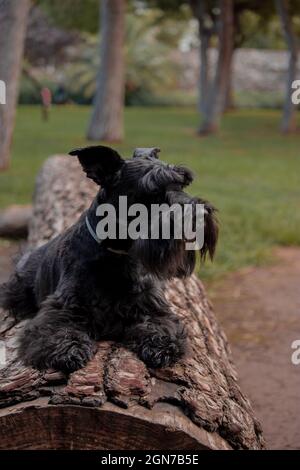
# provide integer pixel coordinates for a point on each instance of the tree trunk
(197, 404)
(107, 118)
(229, 104)
(205, 37)
(219, 85)
(288, 122)
(198, 8)
(204, 71)
(13, 19)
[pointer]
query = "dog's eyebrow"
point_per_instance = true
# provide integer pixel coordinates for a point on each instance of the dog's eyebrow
(151, 152)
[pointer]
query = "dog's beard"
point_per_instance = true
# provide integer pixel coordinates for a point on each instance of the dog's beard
(165, 259)
(169, 258)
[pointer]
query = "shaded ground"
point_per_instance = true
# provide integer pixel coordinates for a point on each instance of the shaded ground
(7, 253)
(260, 311)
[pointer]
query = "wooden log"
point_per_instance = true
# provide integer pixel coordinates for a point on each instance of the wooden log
(115, 402)
(14, 221)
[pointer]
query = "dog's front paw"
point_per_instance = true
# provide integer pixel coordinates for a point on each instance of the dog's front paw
(65, 350)
(72, 357)
(159, 343)
(162, 351)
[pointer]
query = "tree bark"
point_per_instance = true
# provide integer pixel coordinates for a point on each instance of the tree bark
(199, 11)
(107, 118)
(288, 122)
(229, 104)
(197, 404)
(198, 8)
(13, 19)
(205, 37)
(219, 86)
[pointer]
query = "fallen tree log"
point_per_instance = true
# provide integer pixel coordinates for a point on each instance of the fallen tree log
(14, 221)
(115, 402)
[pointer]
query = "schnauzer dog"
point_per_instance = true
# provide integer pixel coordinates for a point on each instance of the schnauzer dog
(77, 289)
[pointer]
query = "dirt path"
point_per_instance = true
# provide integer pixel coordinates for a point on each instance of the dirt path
(260, 311)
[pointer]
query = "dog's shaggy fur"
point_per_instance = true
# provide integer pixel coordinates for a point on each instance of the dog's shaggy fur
(76, 291)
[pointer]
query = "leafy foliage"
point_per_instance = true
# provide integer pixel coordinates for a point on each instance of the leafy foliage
(256, 22)
(73, 14)
(148, 47)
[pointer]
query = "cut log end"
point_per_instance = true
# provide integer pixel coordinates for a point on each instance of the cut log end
(14, 221)
(103, 428)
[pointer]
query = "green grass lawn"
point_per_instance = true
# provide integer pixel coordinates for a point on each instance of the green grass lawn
(250, 172)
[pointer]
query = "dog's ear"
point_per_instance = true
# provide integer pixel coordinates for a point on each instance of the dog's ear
(100, 163)
(211, 231)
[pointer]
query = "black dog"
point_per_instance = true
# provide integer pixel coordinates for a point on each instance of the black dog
(78, 289)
